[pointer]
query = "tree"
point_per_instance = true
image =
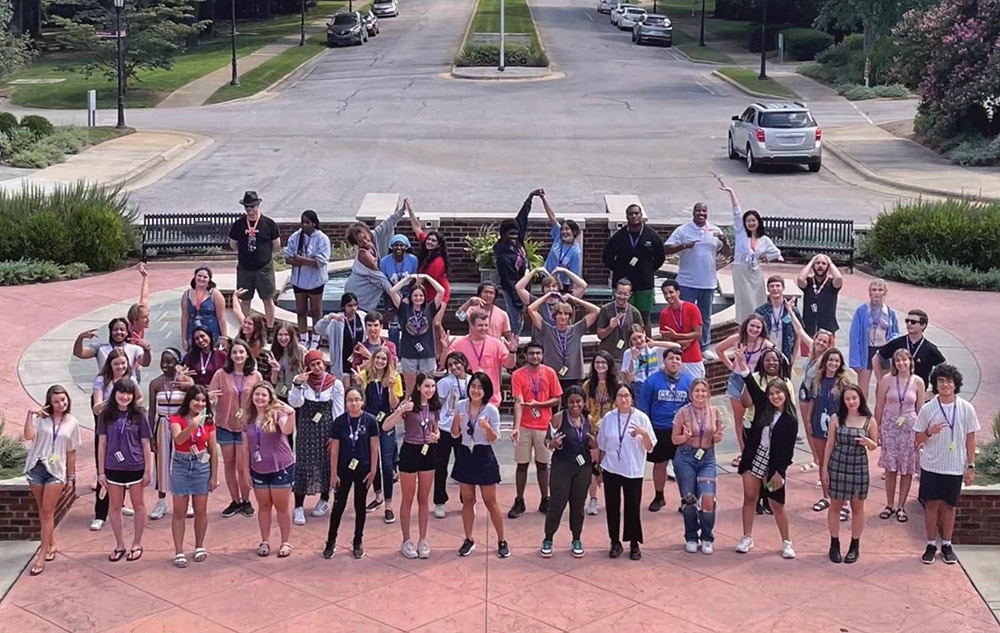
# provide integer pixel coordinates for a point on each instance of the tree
(15, 52)
(155, 31)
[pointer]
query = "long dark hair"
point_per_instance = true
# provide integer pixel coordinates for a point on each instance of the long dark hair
(249, 367)
(259, 331)
(56, 390)
(863, 409)
(610, 381)
(760, 223)
(425, 257)
(192, 393)
(433, 403)
(295, 352)
(767, 414)
(194, 352)
(133, 413)
(784, 367)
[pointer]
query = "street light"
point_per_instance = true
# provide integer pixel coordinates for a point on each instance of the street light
(502, 65)
(119, 4)
(302, 26)
(701, 35)
(763, 42)
(235, 81)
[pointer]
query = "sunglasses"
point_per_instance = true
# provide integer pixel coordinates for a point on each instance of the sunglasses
(913, 321)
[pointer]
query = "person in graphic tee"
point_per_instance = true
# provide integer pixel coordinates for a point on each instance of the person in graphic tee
(255, 238)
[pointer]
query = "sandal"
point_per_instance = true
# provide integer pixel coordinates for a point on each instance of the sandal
(180, 561)
(264, 549)
(285, 550)
(51, 556)
(736, 462)
(901, 516)
(200, 554)
(116, 555)
(821, 505)
(135, 554)
(887, 513)
(37, 569)
(845, 514)
(811, 466)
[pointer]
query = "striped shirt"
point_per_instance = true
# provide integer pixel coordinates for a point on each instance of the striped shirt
(945, 452)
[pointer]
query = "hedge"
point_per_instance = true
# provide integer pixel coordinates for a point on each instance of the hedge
(805, 44)
(934, 273)
(753, 45)
(515, 54)
(28, 271)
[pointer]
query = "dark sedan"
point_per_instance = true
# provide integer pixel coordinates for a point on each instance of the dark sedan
(346, 28)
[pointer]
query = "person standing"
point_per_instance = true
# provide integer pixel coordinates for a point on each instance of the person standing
(946, 427)
(486, 353)
(680, 322)
(832, 378)
(116, 368)
(512, 261)
(136, 349)
(615, 321)
(563, 340)
(166, 393)
(138, 313)
(874, 324)
(373, 340)
(780, 330)
(820, 281)
(536, 391)
(635, 251)
(417, 343)
(202, 306)
(286, 360)
(308, 253)
(900, 396)
(203, 359)
(565, 251)
(926, 355)
(551, 291)
(452, 388)
(485, 300)
(382, 387)
(599, 387)
(396, 266)
(432, 262)
(643, 358)
(343, 331)
(752, 247)
(367, 282)
(816, 346)
(752, 339)
(255, 238)
(662, 395)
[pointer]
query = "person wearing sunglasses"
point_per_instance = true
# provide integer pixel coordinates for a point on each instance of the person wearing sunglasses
(926, 355)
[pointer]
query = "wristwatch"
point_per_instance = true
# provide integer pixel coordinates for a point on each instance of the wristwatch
(970, 467)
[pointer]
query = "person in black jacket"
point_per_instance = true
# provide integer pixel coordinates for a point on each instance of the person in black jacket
(511, 260)
(635, 252)
(767, 453)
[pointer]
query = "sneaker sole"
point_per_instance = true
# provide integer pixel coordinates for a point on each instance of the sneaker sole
(228, 515)
(499, 555)
(469, 553)
(389, 521)
(927, 562)
(579, 554)
(358, 557)
(545, 554)
(949, 562)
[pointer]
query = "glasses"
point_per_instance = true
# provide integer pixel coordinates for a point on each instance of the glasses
(913, 321)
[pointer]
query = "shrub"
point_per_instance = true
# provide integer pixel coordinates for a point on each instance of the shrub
(13, 453)
(8, 122)
(37, 156)
(772, 37)
(936, 273)
(515, 54)
(68, 140)
(39, 125)
(845, 62)
(17, 140)
(47, 236)
(856, 92)
(28, 271)
(805, 44)
(892, 91)
(979, 151)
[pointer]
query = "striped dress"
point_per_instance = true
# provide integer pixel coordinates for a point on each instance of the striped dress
(168, 401)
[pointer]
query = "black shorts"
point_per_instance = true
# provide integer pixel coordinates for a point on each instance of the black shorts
(124, 477)
(413, 460)
(665, 448)
(308, 291)
(874, 360)
(938, 487)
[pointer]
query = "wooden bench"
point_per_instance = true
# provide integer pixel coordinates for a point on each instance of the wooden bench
(186, 232)
(813, 235)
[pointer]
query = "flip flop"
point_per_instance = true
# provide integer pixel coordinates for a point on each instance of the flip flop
(180, 561)
(116, 555)
(135, 554)
(845, 514)
(200, 554)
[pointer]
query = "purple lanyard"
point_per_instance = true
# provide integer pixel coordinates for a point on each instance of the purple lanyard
(479, 353)
(634, 242)
(562, 340)
(954, 414)
(621, 322)
(240, 389)
(702, 423)
(622, 429)
(578, 429)
(354, 432)
(901, 394)
(536, 385)
(679, 323)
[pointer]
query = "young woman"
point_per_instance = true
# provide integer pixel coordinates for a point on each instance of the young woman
(308, 252)
(771, 365)
(571, 439)
(419, 414)
(54, 437)
(900, 395)
(367, 282)
(125, 461)
(138, 313)
(697, 429)
(643, 358)
(287, 360)
(752, 248)
(625, 438)
(432, 261)
(353, 450)
(874, 325)
(202, 306)
(116, 368)
(452, 389)
(382, 387)
(272, 463)
(832, 378)
(416, 313)
(822, 341)
(752, 337)
(565, 252)
(767, 453)
(166, 393)
(562, 340)
(477, 423)
(253, 329)
(318, 399)
(203, 359)
(600, 387)
(845, 468)
(194, 469)
(231, 387)
(343, 331)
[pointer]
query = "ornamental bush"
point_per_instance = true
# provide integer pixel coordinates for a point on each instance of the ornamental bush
(39, 125)
(935, 273)
(515, 54)
(29, 271)
(805, 44)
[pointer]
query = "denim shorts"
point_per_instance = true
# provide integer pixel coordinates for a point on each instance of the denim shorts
(39, 475)
(734, 388)
(281, 479)
(225, 436)
(189, 475)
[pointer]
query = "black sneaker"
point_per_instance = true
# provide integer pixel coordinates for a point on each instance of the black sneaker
(389, 516)
(374, 503)
(760, 507)
(543, 507)
(468, 546)
(948, 555)
(503, 550)
(634, 552)
(232, 509)
(657, 504)
(247, 509)
(928, 557)
(616, 550)
(358, 552)
(517, 509)
(329, 550)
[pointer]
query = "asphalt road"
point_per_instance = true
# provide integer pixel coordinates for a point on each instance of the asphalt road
(382, 118)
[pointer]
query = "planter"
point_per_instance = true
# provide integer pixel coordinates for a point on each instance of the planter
(489, 274)
(19, 520)
(977, 517)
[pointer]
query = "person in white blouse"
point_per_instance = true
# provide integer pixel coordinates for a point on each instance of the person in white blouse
(752, 247)
(626, 436)
(451, 389)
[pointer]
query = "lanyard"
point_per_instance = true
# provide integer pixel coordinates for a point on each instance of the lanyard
(563, 252)
(635, 242)
(240, 389)
(679, 322)
(954, 415)
(776, 318)
(354, 432)
(353, 326)
(380, 393)
(702, 422)
(303, 244)
(913, 352)
(474, 421)
(204, 361)
(747, 355)
(536, 385)
(901, 394)
(562, 340)
(621, 321)
(622, 429)
(252, 230)
(579, 429)
(55, 430)
(818, 289)
(479, 353)
(602, 397)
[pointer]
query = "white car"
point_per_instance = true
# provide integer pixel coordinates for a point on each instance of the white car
(385, 8)
(629, 17)
(617, 11)
(606, 6)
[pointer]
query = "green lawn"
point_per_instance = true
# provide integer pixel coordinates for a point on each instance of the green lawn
(748, 78)
(258, 79)
(152, 86)
(517, 17)
(679, 8)
(689, 46)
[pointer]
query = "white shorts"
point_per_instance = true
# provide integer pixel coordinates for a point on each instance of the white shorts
(695, 370)
(417, 365)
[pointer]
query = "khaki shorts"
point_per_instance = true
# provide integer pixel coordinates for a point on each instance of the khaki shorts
(531, 439)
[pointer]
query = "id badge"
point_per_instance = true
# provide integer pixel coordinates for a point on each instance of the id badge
(580, 461)
(239, 413)
(564, 370)
(54, 458)
(952, 447)
(352, 465)
(698, 454)
(424, 449)
(747, 423)
(206, 457)
(633, 261)
(418, 347)
(119, 456)
(317, 417)
(535, 413)
(900, 421)
(380, 416)
(621, 344)
(282, 390)
(814, 307)
(256, 457)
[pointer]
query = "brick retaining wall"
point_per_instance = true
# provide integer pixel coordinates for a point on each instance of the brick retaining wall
(977, 517)
(19, 520)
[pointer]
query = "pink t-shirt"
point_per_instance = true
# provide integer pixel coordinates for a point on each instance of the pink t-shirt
(499, 321)
(487, 356)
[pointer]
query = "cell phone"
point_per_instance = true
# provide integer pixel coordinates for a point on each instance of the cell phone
(769, 486)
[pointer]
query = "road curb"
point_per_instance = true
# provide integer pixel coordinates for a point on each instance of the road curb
(463, 73)
(677, 49)
(190, 142)
(752, 93)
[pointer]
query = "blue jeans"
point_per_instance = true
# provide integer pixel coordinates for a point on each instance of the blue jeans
(516, 316)
(703, 299)
(387, 461)
(696, 480)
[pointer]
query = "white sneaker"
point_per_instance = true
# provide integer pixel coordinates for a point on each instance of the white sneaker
(299, 516)
(709, 355)
(440, 511)
(408, 550)
(670, 471)
(190, 510)
(707, 547)
(96, 525)
(592, 507)
(745, 544)
(786, 550)
(158, 510)
(423, 549)
(127, 511)
(691, 547)
(322, 507)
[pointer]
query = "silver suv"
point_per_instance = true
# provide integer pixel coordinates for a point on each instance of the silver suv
(776, 133)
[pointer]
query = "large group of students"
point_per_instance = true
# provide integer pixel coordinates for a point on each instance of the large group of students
(266, 409)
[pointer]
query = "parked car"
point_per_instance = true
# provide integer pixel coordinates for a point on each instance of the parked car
(371, 23)
(606, 6)
(653, 28)
(617, 11)
(776, 133)
(629, 17)
(346, 27)
(385, 8)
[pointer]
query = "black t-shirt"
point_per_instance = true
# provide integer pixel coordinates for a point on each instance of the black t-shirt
(925, 354)
(819, 310)
(254, 252)
(362, 429)
(377, 399)
(354, 333)
(573, 443)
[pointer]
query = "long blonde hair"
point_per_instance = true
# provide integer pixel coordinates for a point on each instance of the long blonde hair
(841, 379)
(820, 332)
(388, 376)
(267, 419)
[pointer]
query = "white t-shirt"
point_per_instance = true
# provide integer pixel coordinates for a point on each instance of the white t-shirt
(451, 391)
(623, 454)
(133, 352)
(696, 268)
(938, 456)
(51, 449)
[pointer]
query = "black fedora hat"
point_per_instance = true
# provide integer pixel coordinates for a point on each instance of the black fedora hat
(250, 198)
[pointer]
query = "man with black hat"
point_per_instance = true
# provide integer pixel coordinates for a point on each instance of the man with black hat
(255, 238)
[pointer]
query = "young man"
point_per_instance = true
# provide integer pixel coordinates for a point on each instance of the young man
(925, 354)
(373, 339)
(451, 389)
(486, 353)
(398, 264)
(779, 321)
(563, 340)
(512, 259)
(680, 322)
(946, 426)
(662, 396)
(551, 289)
(615, 321)
(635, 251)
(820, 281)
(255, 238)
(485, 301)
(565, 251)
(536, 391)
(698, 242)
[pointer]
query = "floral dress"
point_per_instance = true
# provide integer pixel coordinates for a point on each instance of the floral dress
(899, 440)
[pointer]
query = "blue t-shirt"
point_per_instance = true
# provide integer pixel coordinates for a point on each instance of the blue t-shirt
(396, 271)
(662, 397)
(563, 255)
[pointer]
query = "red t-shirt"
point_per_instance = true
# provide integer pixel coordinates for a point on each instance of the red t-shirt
(538, 386)
(437, 271)
(686, 321)
(199, 438)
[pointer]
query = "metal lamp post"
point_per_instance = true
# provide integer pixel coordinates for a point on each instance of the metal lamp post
(119, 5)
(763, 42)
(302, 25)
(701, 34)
(502, 65)
(235, 81)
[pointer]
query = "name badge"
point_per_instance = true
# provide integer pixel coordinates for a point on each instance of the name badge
(424, 448)
(621, 344)
(580, 461)
(282, 389)
(418, 347)
(747, 423)
(380, 416)
(206, 457)
(563, 370)
(952, 447)
(239, 413)
(535, 413)
(633, 261)
(119, 456)
(352, 465)
(256, 457)
(698, 454)
(814, 307)
(900, 421)
(317, 417)
(53, 458)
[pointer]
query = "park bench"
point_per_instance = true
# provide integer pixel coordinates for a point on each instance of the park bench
(813, 235)
(186, 232)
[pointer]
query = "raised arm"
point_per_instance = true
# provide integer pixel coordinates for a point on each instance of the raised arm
(803, 277)
(800, 332)
(579, 283)
(385, 229)
(533, 307)
(548, 210)
(144, 287)
(837, 277)
(592, 310)
(238, 309)
(414, 220)
(724, 347)
(522, 215)
(81, 351)
(439, 297)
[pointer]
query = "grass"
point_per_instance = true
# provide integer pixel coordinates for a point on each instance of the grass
(678, 8)
(748, 79)
(99, 134)
(258, 79)
(152, 86)
(517, 17)
(689, 46)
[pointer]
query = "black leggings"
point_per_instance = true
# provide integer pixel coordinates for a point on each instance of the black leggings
(568, 483)
(102, 502)
(355, 478)
(615, 486)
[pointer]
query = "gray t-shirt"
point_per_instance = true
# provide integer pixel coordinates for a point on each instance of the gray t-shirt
(417, 336)
(631, 316)
(565, 350)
